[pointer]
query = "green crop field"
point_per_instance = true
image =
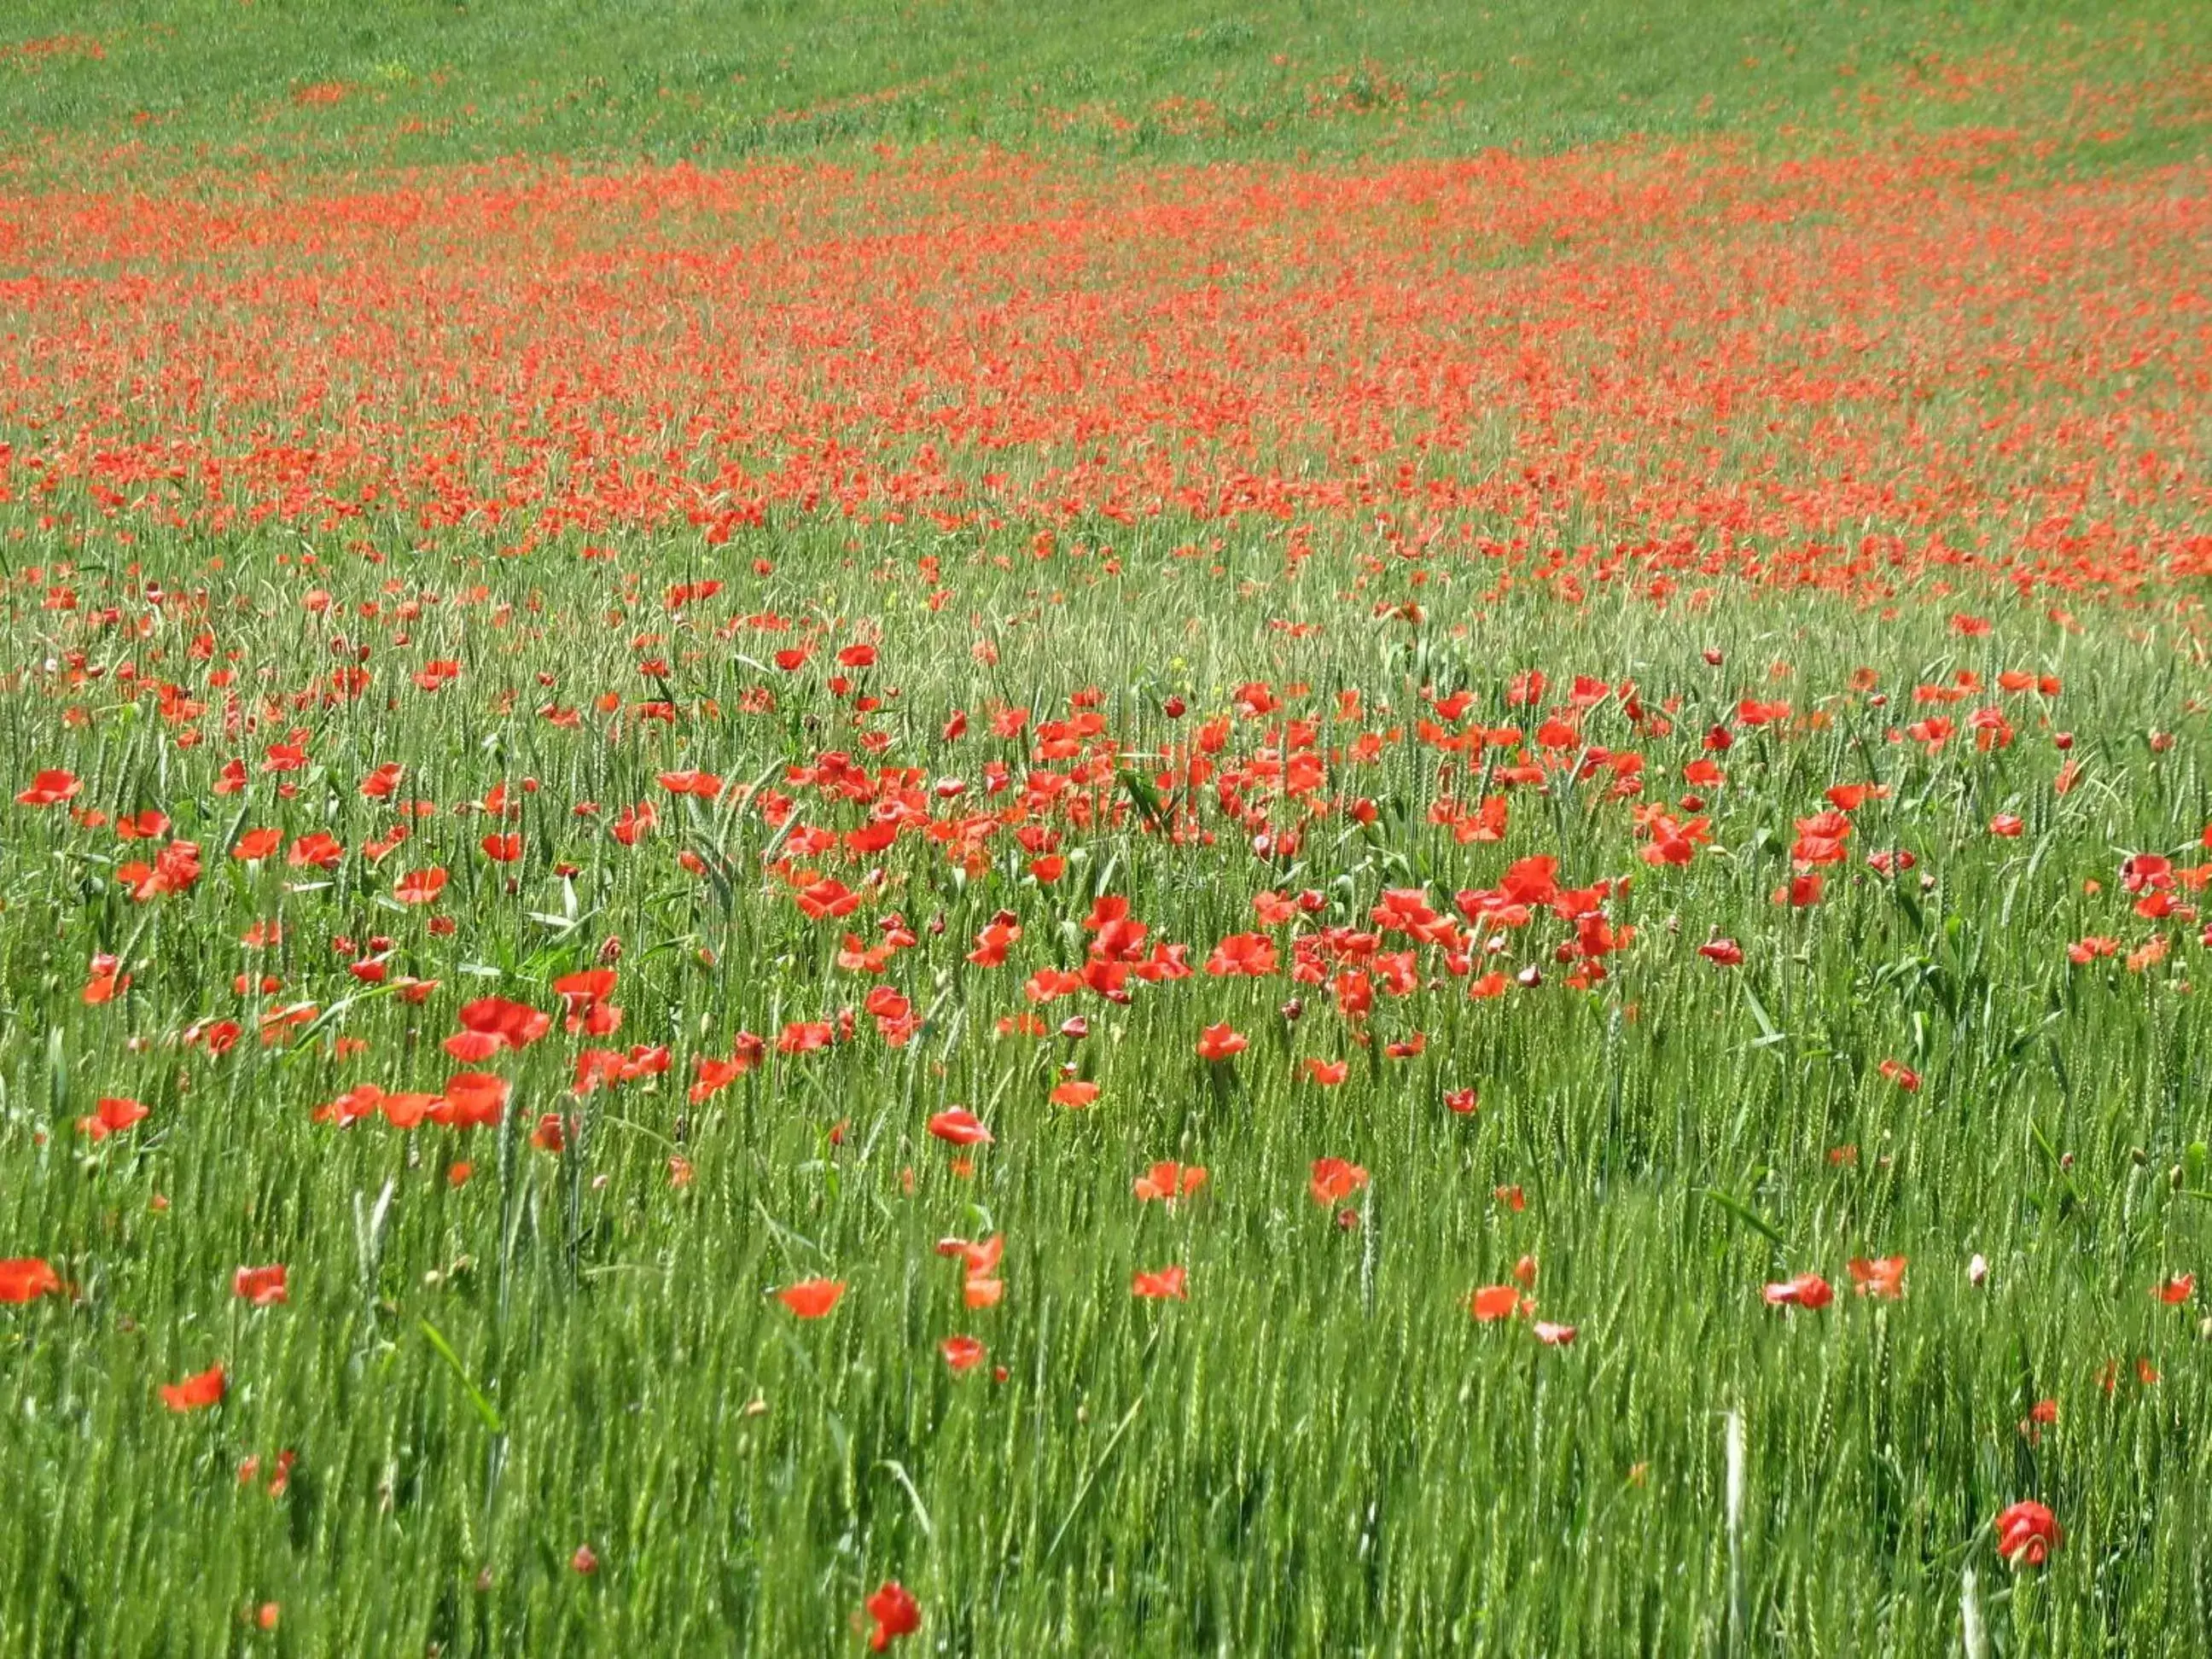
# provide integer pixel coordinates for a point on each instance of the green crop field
(236, 83)
(1007, 829)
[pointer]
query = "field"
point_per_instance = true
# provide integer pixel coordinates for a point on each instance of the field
(990, 830)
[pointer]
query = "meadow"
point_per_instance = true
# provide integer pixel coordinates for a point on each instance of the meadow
(987, 831)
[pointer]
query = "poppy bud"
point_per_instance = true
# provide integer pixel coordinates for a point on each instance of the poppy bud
(1529, 977)
(1293, 1010)
(937, 924)
(610, 950)
(2064, 741)
(1173, 707)
(1075, 1028)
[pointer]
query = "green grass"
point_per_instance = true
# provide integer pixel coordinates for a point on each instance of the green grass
(1319, 1451)
(215, 82)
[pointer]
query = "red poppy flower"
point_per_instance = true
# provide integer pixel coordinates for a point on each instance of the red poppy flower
(419, 886)
(1802, 892)
(1807, 1291)
(1075, 1093)
(1725, 953)
(810, 1298)
(704, 785)
(195, 1393)
(896, 1612)
(962, 1354)
(473, 1048)
(1333, 1180)
(1169, 1180)
(407, 1111)
(508, 1025)
(826, 898)
(1494, 1302)
(1461, 1102)
(25, 1278)
(265, 1287)
(712, 1075)
(579, 991)
(1167, 1283)
(1883, 1277)
(1328, 1072)
(50, 789)
(976, 1259)
(961, 1126)
(1219, 1042)
(2178, 1289)
(471, 1100)
(1554, 1336)
(1251, 955)
(320, 850)
(105, 978)
(2027, 1531)
(116, 1113)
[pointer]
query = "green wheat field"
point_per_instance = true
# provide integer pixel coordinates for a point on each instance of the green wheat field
(977, 829)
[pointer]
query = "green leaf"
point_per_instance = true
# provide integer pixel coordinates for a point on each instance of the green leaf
(485, 1409)
(1744, 1213)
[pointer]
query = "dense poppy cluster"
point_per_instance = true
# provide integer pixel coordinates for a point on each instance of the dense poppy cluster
(1522, 363)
